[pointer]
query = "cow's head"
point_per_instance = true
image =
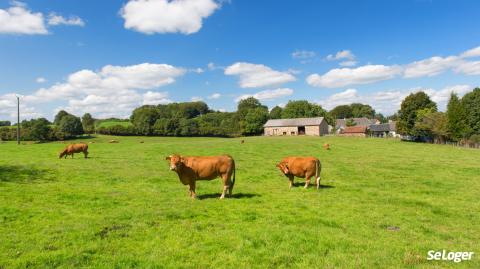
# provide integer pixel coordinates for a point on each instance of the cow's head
(176, 161)
(283, 167)
(62, 153)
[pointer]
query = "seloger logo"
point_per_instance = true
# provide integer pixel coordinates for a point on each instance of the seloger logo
(449, 256)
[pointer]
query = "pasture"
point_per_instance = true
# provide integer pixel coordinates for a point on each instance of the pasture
(383, 204)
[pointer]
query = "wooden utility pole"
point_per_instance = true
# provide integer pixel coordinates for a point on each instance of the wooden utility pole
(18, 120)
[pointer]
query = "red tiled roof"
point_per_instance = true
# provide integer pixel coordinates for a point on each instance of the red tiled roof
(355, 130)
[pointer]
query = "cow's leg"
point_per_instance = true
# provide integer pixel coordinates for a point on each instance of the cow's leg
(226, 185)
(290, 179)
(192, 189)
(86, 154)
(307, 180)
(318, 182)
(72, 155)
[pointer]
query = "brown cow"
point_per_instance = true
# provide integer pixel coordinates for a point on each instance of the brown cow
(303, 167)
(326, 146)
(191, 169)
(74, 148)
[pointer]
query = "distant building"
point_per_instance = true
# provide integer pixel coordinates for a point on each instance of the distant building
(359, 131)
(341, 124)
(301, 126)
(384, 130)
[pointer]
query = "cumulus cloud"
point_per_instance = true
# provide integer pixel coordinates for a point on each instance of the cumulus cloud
(430, 67)
(18, 19)
(257, 75)
(54, 19)
(214, 96)
(164, 16)
(475, 52)
(389, 101)
(155, 98)
(468, 68)
(113, 91)
(340, 77)
(341, 55)
(268, 94)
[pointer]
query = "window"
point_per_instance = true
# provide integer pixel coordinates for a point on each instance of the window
(284, 133)
(292, 133)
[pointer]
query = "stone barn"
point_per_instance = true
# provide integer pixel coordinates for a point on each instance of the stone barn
(301, 126)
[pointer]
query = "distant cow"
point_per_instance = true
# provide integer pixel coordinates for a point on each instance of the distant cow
(191, 169)
(74, 148)
(326, 146)
(243, 141)
(113, 141)
(303, 167)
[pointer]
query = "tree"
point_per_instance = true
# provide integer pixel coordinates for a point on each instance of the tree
(144, 118)
(361, 110)
(350, 122)
(245, 105)
(276, 113)
(342, 112)
(59, 116)
(88, 123)
(71, 126)
(431, 124)
(40, 129)
(302, 109)
(471, 105)
(408, 111)
(254, 121)
(456, 119)
(5, 123)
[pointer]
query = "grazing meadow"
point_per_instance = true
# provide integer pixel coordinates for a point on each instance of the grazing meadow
(383, 203)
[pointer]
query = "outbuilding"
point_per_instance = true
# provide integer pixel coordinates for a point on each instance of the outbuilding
(301, 126)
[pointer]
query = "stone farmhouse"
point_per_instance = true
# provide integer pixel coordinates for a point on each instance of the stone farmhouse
(301, 126)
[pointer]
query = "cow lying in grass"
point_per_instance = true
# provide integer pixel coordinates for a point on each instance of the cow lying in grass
(74, 148)
(191, 169)
(303, 167)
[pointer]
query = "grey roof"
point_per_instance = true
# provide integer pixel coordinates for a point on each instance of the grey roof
(342, 123)
(385, 127)
(294, 122)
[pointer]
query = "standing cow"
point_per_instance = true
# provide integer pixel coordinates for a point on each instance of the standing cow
(191, 169)
(303, 167)
(74, 148)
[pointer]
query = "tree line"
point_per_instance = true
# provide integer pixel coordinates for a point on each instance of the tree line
(418, 119)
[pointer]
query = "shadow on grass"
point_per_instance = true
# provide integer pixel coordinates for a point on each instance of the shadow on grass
(234, 196)
(301, 184)
(24, 174)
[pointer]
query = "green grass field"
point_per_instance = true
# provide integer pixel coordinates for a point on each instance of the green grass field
(383, 204)
(113, 123)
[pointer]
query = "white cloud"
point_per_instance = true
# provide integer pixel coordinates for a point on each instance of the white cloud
(54, 19)
(340, 77)
(469, 68)
(155, 98)
(430, 67)
(196, 99)
(114, 91)
(348, 63)
(268, 94)
(475, 52)
(40, 80)
(163, 16)
(214, 96)
(341, 55)
(19, 20)
(258, 75)
(304, 56)
(389, 101)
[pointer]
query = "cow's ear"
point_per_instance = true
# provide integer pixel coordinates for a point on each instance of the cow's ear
(182, 159)
(168, 158)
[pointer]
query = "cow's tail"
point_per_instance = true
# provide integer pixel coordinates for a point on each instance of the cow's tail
(233, 180)
(318, 169)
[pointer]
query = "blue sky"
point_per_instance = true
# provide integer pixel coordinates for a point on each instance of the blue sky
(108, 57)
